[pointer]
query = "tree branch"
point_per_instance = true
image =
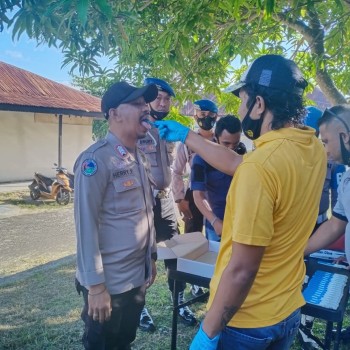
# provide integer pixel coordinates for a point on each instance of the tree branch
(314, 35)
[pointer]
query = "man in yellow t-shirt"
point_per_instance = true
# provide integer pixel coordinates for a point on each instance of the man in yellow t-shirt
(272, 206)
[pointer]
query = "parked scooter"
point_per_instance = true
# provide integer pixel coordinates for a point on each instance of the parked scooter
(60, 189)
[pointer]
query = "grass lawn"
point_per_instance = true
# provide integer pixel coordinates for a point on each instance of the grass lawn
(42, 310)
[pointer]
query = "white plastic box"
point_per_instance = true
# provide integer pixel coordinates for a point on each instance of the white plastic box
(194, 253)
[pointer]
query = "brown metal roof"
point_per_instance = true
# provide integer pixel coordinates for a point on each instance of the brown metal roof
(21, 90)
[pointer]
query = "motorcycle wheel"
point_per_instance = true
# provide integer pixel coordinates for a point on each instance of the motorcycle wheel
(63, 197)
(34, 194)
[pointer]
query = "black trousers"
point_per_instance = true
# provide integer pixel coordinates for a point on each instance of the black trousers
(165, 223)
(196, 223)
(120, 331)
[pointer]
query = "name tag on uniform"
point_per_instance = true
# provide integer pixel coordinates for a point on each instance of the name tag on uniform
(122, 173)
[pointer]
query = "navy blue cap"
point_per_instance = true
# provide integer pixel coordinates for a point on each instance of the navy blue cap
(272, 71)
(161, 85)
(312, 117)
(205, 105)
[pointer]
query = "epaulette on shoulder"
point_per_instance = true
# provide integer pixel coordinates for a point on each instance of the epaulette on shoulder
(97, 145)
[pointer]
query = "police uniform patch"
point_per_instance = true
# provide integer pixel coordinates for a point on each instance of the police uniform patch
(121, 150)
(89, 167)
(128, 183)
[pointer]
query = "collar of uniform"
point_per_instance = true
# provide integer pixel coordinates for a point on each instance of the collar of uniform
(302, 135)
(114, 141)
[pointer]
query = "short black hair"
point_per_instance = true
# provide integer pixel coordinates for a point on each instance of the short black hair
(338, 112)
(285, 107)
(230, 123)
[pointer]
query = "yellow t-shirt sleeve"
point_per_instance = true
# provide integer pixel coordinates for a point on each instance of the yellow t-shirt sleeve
(252, 205)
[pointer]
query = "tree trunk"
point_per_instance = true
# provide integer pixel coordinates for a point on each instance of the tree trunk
(328, 88)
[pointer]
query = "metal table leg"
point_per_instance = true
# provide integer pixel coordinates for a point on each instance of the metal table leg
(175, 311)
(328, 336)
(337, 335)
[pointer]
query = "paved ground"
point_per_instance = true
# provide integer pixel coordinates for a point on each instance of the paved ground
(14, 186)
(32, 239)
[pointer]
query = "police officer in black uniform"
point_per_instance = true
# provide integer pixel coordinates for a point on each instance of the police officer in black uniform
(160, 155)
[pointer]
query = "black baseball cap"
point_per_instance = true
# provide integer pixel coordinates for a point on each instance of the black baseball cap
(122, 92)
(272, 71)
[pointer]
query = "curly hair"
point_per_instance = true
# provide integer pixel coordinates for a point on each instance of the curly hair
(285, 107)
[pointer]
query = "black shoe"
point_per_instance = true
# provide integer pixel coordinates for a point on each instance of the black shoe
(187, 317)
(306, 342)
(345, 335)
(146, 323)
(196, 291)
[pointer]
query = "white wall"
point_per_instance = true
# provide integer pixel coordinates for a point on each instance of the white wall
(29, 143)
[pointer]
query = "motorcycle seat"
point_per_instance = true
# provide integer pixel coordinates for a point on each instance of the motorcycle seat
(46, 180)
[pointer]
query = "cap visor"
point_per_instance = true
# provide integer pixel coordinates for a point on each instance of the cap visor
(235, 88)
(149, 93)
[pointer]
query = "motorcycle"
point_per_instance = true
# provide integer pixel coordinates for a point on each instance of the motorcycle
(60, 189)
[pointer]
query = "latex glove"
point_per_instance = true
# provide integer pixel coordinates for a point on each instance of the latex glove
(171, 131)
(202, 342)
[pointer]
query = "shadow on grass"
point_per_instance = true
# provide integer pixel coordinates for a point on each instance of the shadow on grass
(42, 311)
(17, 277)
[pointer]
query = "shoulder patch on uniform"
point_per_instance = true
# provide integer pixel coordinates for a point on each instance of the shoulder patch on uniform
(121, 150)
(89, 167)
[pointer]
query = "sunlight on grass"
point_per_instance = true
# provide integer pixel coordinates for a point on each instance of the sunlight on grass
(23, 200)
(43, 312)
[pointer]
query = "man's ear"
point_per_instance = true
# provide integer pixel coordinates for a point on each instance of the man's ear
(260, 105)
(346, 137)
(114, 114)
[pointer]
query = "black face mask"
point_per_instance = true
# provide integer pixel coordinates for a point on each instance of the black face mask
(344, 152)
(206, 123)
(241, 149)
(252, 127)
(158, 115)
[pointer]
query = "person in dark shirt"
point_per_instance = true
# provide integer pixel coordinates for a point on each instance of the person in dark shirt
(209, 185)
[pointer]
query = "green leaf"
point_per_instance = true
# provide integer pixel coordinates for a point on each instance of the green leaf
(270, 5)
(105, 8)
(82, 10)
